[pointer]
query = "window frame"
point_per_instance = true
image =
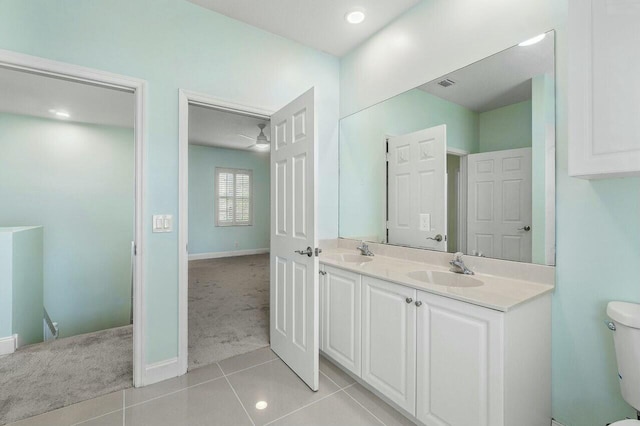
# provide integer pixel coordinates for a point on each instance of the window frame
(217, 197)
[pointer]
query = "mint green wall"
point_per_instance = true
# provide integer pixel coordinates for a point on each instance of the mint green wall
(204, 236)
(362, 164)
(6, 283)
(598, 222)
(175, 44)
(28, 290)
(508, 127)
(77, 181)
(542, 127)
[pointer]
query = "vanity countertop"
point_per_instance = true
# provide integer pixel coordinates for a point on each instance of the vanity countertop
(499, 293)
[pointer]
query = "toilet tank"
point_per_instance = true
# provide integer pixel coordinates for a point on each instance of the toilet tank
(626, 337)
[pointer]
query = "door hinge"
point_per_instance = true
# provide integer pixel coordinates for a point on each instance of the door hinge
(386, 224)
(387, 156)
(135, 249)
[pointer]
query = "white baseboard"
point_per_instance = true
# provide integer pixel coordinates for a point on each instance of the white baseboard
(218, 254)
(8, 345)
(160, 371)
(554, 423)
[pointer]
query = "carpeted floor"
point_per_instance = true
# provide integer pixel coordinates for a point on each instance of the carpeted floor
(228, 315)
(228, 307)
(45, 376)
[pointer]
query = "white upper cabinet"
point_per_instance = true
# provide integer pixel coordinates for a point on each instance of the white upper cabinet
(604, 88)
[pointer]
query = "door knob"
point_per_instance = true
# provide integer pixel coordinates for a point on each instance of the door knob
(418, 303)
(409, 300)
(308, 252)
(525, 228)
(437, 238)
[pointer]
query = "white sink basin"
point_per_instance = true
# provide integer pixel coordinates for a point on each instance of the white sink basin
(349, 258)
(448, 279)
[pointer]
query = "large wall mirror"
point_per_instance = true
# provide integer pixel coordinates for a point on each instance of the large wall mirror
(465, 162)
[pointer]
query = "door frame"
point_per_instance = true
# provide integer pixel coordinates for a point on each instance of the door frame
(47, 67)
(461, 220)
(186, 98)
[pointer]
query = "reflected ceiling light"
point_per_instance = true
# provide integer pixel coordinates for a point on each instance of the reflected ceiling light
(534, 40)
(61, 114)
(356, 16)
(261, 405)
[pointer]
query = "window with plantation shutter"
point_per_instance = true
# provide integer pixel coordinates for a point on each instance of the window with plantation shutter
(234, 193)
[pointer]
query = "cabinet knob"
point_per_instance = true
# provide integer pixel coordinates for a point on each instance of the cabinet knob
(418, 303)
(409, 300)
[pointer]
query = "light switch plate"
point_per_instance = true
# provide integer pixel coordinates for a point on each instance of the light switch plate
(162, 223)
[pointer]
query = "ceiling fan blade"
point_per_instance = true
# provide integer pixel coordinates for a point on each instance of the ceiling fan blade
(251, 146)
(246, 137)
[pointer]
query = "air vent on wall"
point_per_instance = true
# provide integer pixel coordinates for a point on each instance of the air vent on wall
(446, 82)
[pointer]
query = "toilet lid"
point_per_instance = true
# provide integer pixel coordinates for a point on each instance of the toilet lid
(627, 422)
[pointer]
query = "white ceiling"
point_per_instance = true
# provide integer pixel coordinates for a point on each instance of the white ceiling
(32, 94)
(499, 80)
(210, 127)
(316, 23)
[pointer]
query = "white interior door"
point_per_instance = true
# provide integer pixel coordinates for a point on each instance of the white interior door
(294, 276)
(417, 189)
(499, 207)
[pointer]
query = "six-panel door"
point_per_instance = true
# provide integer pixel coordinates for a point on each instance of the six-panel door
(341, 317)
(459, 363)
(389, 340)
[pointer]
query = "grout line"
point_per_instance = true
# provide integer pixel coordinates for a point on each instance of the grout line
(175, 391)
(245, 369)
(86, 420)
(239, 400)
(365, 408)
(124, 406)
(308, 405)
(330, 379)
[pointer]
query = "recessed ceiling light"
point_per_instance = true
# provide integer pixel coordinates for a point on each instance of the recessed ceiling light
(534, 40)
(261, 405)
(356, 16)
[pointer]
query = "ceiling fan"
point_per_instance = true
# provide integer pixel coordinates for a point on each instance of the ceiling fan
(261, 142)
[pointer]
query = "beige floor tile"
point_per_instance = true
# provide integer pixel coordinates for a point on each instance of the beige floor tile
(340, 378)
(378, 407)
(193, 377)
(336, 410)
(251, 359)
(77, 412)
(279, 387)
(212, 403)
(112, 419)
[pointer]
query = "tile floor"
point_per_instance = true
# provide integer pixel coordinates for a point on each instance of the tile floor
(226, 393)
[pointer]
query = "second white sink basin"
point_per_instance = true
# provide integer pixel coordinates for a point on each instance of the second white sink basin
(448, 279)
(349, 258)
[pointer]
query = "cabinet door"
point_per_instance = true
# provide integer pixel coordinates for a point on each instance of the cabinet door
(341, 317)
(460, 363)
(389, 340)
(604, 130)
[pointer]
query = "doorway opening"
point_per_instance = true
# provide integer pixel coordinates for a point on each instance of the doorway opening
(70, 176)
(228, 211)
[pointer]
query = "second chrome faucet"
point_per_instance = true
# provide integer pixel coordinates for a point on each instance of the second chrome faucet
(364, 249)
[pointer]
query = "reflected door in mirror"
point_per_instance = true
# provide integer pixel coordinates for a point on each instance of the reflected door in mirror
(417, 189)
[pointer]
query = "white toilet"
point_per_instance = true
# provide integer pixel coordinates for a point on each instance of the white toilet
(626, 325)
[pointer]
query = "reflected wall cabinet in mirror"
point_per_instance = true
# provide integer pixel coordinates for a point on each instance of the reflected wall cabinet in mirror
(604, 88)
(464, 163)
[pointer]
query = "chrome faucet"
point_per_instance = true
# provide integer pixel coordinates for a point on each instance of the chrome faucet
(458, 266)
(364, 249)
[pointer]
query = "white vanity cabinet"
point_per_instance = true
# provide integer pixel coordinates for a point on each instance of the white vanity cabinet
(459, 363)
(442, 361)
(389, 340)
(340, 322)
(604, 130)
